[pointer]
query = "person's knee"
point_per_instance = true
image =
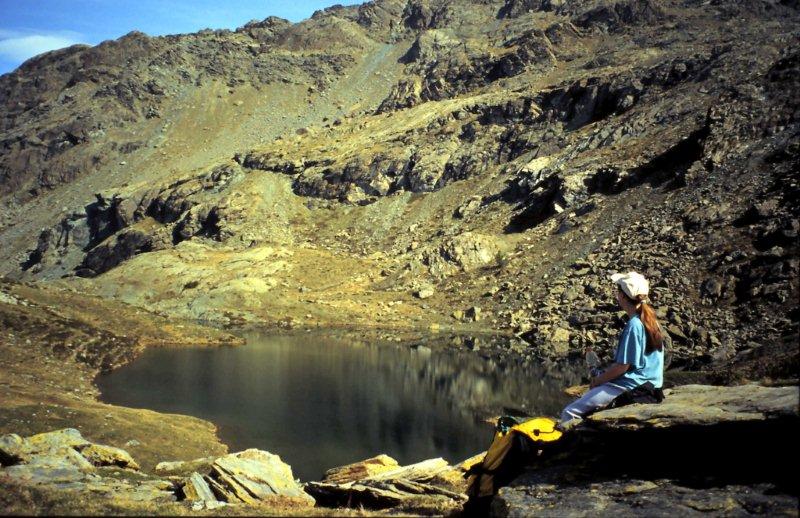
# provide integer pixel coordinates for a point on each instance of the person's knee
(569, 413)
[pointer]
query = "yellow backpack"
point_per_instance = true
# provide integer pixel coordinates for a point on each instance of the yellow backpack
(520, 438)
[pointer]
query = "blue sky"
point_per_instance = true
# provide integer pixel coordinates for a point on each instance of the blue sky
(30, 27)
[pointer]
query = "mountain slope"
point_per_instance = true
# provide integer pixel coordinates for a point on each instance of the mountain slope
(464, 165)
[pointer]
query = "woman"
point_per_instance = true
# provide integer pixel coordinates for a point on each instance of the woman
(639, 358)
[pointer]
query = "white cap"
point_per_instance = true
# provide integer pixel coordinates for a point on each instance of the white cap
(632, 284)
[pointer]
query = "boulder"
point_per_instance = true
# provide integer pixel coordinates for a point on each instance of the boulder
(70, 467)
(56, 465)
(101, 455)
(253, 475)
(465, 252)
(57, 457)
(531, 496)
(68, 438)
(716, 449)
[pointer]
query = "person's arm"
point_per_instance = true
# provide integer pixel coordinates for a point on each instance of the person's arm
(614, 371)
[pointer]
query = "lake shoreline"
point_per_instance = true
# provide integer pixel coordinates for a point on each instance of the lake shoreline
(56, 342)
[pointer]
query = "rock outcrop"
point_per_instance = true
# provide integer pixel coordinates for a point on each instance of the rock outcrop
(64, 460)
(698, 405)
(730, 436)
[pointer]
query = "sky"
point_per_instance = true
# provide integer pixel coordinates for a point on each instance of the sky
(30, 27)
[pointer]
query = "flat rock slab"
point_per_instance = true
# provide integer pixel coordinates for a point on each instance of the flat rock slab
(638, 497)
(703, 405)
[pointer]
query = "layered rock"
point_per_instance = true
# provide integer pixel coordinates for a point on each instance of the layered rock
(420, 487)
(63, 460)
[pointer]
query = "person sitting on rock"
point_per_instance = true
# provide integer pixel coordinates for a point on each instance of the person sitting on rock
(639, 360)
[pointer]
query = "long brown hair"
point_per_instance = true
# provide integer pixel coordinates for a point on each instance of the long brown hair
(655, 339)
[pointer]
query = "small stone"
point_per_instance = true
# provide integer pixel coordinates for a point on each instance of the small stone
(424, 293)
(676, 331)
(712, 288)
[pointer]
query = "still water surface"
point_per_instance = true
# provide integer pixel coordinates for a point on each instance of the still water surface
(321, 401)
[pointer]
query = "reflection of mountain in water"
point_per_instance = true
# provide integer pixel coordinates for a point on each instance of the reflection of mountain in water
(474, 384)
(321, 401)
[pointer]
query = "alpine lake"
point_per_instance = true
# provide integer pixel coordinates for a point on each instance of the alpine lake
(321, 400)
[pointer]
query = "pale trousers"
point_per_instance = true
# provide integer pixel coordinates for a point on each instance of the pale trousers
(593, 400)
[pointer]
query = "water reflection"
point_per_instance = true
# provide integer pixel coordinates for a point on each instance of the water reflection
(322, 401)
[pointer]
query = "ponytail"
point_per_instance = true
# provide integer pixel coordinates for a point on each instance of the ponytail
(655, 338)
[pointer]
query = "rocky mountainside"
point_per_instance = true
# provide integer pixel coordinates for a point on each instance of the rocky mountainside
(465, 165)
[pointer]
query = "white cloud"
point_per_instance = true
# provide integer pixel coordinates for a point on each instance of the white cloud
(18, 47)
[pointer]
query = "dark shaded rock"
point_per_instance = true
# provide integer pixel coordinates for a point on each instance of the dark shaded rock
(620, 14)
